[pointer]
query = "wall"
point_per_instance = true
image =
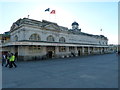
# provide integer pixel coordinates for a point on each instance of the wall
(27, 31)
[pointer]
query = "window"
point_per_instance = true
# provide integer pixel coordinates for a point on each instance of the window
(99, 42)
(71, 49)
(35, 37)
(50, 38)
(103, 43)
(62, 39)
(35, 49)
(106, 43)
(16, 38)
(62, 49)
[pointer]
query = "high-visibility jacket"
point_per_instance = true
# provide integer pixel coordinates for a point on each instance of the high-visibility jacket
(8, 57)
(12, 58)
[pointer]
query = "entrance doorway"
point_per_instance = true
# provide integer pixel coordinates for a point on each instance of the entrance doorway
(50, 51)
(79, 53)
(50, 54)
(16, 53)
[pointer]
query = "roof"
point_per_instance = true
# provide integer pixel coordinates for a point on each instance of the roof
(45, 23)
(75, 23)
(5, 34)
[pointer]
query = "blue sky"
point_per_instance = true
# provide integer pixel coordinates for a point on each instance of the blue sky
(91, 16)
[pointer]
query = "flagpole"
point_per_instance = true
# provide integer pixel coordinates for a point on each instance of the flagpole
(49, 17)
(100, 31)
(55, 18)
(28, 16)
(47, 14)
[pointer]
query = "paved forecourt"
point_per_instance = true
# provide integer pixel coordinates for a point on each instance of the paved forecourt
(98, 71)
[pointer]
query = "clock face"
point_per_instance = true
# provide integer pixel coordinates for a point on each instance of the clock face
(75, 27)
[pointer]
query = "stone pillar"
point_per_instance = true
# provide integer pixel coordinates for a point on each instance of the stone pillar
(11, 49)
(101, 50)
(82, 50)
(67, 51)
(76, 51)
(104, 50)
(93, 50)
(88, 50)
(107, 49)
(56, 51)
(44, 51)
(97, 50)
(22, 53)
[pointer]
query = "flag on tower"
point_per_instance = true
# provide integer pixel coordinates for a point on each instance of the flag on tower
(52, 12)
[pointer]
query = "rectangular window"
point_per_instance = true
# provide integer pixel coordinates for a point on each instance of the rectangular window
(35, 49)
(85, 49)
(71, 49)
(62, 49)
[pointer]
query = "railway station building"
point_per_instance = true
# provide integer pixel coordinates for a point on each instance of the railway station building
(36, 40)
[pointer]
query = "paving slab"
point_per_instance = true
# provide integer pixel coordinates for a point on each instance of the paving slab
(98, 71)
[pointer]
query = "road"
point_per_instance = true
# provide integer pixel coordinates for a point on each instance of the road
(98, 71)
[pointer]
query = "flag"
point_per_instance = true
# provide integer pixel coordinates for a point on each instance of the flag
(52, 12)
(28, 16)
(48, 9)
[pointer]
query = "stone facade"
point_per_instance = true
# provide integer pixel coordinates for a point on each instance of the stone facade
(35, 40)
(27, 27)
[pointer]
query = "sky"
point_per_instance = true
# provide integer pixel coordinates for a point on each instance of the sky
(92, 16)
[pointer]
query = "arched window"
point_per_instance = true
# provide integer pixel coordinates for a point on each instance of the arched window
(62, 39)
(16, 38)
(50, 38)
(35, 37)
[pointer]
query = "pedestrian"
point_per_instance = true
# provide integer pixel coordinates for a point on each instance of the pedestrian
(8, 59)
(12, 61)
(3, 59)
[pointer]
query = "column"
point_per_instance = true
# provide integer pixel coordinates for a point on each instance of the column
(76, 51)
(22, 50)
(56, 51)
(104, 50)
(67, 51)
(22, 53)
(88, 50)
(12, 49)
(44, 51)
(98, 50)
(107, 49)
(93, 50)
(101, 50)
(82, 50)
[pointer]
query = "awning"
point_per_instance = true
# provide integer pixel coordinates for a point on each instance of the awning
(49, 44)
